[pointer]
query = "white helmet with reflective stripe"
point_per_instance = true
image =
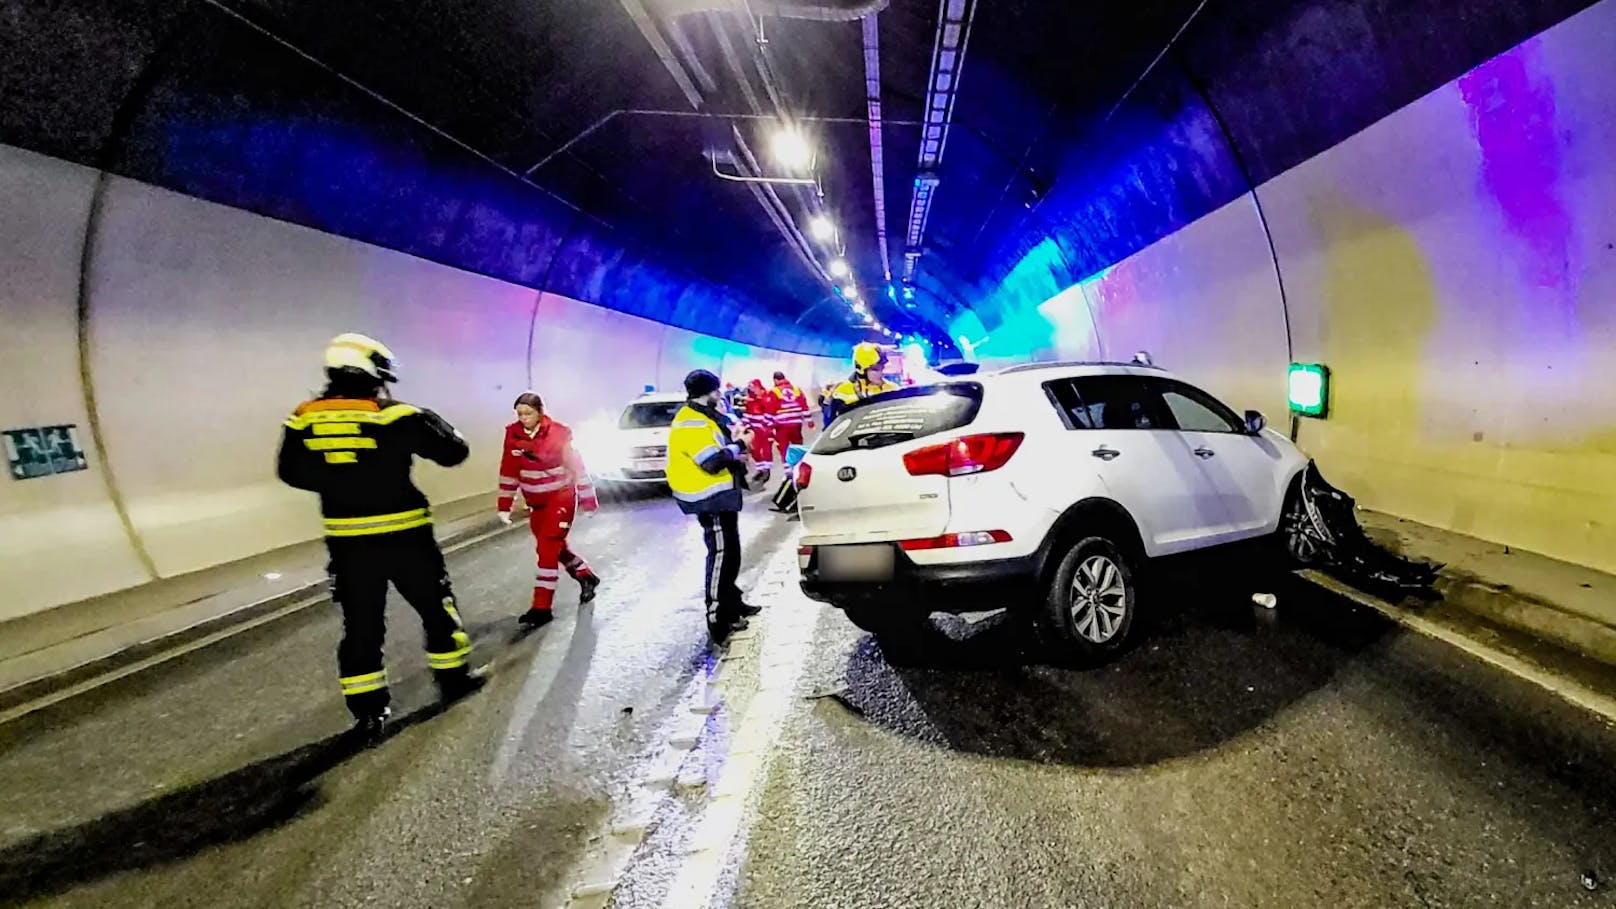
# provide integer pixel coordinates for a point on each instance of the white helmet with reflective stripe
(353, 351)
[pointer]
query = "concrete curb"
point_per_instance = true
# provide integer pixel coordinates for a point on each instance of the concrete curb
(37, 694)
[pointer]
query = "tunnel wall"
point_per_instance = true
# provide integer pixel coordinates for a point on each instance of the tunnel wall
(202, 329)
(1454, 264)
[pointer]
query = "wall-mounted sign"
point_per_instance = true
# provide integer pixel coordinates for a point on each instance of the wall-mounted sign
(42, 451)
(1308, 387)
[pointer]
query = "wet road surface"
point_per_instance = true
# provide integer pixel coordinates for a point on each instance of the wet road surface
(1310, 756)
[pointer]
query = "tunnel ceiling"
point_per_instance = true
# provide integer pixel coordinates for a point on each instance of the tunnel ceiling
(527, 83)
(1081, 132)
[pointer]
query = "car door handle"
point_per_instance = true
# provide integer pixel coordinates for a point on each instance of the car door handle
(1204, 453)
(1106, 454)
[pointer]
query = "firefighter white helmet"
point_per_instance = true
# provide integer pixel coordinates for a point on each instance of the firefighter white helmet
(356, 352)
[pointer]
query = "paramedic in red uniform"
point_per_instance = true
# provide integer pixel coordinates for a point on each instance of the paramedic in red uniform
(790, 412)
(539, 461)
(760, 410)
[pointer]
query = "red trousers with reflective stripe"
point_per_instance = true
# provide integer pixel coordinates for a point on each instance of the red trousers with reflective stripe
(551, 521)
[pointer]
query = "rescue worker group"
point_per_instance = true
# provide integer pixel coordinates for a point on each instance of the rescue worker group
(354, 446)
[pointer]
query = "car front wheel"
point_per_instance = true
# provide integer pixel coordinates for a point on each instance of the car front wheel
(1092, 599)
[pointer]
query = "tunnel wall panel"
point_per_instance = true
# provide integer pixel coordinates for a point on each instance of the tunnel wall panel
(1455, 266)
(61, 538)
(204, 327)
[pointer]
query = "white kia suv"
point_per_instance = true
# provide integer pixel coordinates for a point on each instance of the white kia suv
(1047, 484)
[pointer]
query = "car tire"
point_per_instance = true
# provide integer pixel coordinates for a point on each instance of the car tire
(1091, 603)
(903, 636)
(1290, 545)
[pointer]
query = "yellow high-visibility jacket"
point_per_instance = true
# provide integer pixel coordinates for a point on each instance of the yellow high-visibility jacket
(705, 465)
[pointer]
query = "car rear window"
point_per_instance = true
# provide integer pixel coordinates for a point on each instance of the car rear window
(650, 414)
(901, 416)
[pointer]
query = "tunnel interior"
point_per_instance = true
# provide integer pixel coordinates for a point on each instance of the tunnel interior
(197, 194)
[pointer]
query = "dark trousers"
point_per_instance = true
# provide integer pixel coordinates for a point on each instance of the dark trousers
(361, 568)
(722, 532)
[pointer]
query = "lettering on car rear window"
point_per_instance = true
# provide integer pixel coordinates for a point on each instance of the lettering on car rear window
(901, 417)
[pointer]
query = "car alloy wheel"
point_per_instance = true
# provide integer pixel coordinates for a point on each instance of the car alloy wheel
(1099, 599)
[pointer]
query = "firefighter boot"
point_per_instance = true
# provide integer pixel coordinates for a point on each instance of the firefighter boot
(370, 730)
(458, 685)
(586, 587)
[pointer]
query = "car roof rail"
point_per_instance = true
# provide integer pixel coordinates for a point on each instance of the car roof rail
(1068, 364)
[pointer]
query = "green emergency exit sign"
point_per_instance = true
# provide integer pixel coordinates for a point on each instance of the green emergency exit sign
(43, 451)
(1308, 387)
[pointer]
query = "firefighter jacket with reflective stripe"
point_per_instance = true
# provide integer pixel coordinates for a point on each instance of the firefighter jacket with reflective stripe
(542, 464)
(356, 454)
(705, 465)
(791, 406)
(853, 390)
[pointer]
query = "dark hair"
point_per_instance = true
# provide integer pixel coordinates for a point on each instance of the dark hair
(779, 376)
(530, 399)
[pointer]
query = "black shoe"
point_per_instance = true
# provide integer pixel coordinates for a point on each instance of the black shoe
(536, 618)
(740, 624)
(458, 687)
(586, 588)
(746, 609)
(370, 730)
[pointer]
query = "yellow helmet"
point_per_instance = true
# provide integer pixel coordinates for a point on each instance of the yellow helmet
(360, 353)
(866, 355)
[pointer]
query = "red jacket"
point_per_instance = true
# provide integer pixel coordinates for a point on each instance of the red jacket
(542, 465)
(791, 407)
(760, 408)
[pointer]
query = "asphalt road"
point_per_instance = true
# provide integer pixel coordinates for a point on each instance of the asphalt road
(1309, 756)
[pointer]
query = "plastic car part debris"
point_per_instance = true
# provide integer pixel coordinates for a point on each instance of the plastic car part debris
(1324, 533)
(1265, 600)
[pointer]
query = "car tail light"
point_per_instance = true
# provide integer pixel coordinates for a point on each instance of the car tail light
(963, 456)
(805, 554)
(805, 472)
(955, 540)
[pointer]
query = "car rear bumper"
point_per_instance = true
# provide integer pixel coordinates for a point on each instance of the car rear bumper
(957, 587)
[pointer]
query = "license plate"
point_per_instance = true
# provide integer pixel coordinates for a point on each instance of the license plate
(856, 563)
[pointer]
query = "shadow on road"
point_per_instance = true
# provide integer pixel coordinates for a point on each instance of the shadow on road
(226, 809)
(1206, 666)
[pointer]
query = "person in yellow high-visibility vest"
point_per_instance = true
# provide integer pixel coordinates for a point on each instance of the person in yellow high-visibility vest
(707, 472)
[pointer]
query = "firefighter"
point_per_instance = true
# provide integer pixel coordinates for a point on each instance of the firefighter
(706, 472)
(354, 445)
(790, 412)
(867, 381)
(760, 411)
(540, 461)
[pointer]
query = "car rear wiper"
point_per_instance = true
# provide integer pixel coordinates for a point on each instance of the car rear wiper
(878, 439)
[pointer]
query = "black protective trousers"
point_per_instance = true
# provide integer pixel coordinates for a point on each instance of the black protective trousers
(722, 533)
(361, 568)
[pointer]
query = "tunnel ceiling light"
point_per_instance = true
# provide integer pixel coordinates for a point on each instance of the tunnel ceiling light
(839, 268)
(791, 149)
(850, 292)
(1308, 388)
(821, 228)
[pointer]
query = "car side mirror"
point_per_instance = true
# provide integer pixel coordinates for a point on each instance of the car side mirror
(1255, 422)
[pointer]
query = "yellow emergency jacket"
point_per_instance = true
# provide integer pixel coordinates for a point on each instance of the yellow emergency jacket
(705, 465)
(853, 390)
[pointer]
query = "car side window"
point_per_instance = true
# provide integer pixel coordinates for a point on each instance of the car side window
(1107, 402)
(1194, 410)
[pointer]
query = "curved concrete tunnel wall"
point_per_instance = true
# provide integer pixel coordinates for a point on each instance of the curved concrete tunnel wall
(1455, 266)
(203, 327)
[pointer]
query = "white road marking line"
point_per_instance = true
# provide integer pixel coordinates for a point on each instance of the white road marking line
(1571, 691)
(783, 655)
